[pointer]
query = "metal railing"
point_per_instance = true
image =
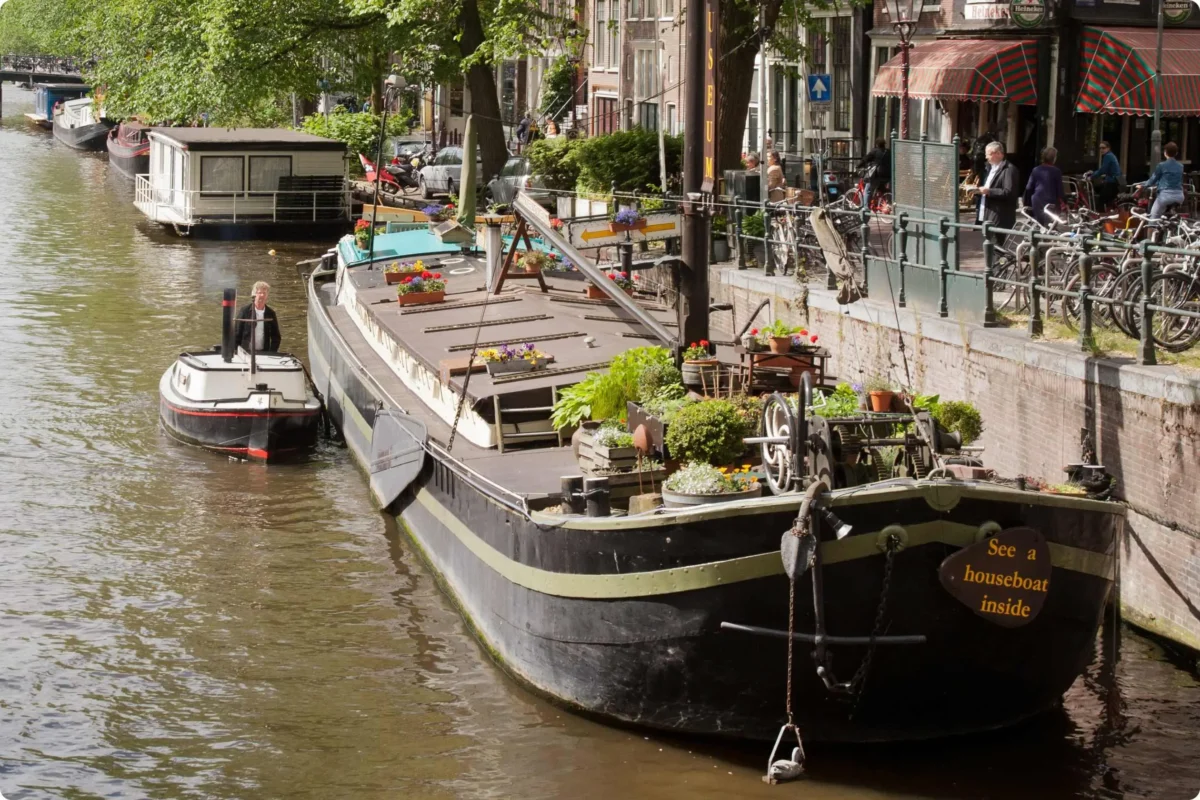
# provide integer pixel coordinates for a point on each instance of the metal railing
(12, 62)
(191, 206)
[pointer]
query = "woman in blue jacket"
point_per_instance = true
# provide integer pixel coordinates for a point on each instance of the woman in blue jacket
(1045, 187)
(1168, 177)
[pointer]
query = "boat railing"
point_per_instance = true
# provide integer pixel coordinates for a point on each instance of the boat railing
(164, 203)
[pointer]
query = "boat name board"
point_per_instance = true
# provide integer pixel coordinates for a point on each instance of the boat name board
(1004, 578)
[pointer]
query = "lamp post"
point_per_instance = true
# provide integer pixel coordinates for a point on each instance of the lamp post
(905, 15)
(1156, 134)
(393, 83)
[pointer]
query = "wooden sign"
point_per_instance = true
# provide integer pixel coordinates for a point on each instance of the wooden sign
(1003, 579)
(712, 28)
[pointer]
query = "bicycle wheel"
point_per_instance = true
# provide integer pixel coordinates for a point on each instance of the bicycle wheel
(1104, 278)
(1175, 333)
(1127, 288)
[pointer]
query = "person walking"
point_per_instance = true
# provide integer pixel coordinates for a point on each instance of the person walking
(257, 324)
(1168, 177)
(523, 131)
(1045, 187)
(1107, 177)
(878, 165)
(997, 197)
(775, 179)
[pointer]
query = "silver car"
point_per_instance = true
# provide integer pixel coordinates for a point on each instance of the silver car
(444, 173)
(517, 176)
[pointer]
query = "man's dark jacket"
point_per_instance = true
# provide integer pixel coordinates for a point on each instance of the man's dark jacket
(245, 330)
(1002, 196)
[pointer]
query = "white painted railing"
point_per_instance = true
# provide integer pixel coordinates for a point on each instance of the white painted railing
(189, 206)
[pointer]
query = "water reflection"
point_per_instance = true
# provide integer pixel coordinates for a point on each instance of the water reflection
(180, 625)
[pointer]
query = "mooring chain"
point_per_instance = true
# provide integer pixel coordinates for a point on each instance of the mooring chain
(800, 528)
(860, 676)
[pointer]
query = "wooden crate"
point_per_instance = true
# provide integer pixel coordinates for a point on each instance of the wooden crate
(624, 485)
(593, 457)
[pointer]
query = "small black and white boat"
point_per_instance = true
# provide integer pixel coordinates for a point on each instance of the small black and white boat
(257, 405)
(78, 124)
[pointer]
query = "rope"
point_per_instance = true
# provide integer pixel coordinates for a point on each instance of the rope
(462, 399)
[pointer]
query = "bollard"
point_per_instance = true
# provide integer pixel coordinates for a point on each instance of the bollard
(943, 266)
(768, 258)
(830, 278)
(989, 258)
(1086, 341)
(596, 492)
(1035, 297)
(741, 243)
(902, 253)
(864, 233)
(572, 494)
(1147, 343)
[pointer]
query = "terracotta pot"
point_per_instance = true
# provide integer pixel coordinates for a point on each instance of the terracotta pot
(781, 344)
(881, 401)
(420, 298)
(596, 293)
(393, 277)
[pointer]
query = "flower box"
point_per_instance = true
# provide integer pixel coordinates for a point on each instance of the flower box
(513, 365)
(395, 277)
(620, 227)
(593, 457)
(596, 293)
(681, 500)
(420, 298)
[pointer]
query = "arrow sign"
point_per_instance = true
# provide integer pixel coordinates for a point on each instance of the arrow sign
(819, 90)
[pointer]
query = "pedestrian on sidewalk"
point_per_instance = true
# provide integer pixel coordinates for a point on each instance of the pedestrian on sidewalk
(775, 179)
(1107, 178)
(1168, 177)
(1045, 187)
(997, 197)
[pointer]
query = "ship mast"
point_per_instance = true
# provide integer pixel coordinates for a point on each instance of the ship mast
(699, 167)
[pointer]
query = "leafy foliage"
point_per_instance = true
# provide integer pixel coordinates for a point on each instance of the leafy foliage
(603, 395)
(627, 158)
(700, 478)
(710, 431)
(574, 403)
(749, 408)
(611, 434)
(753, 225)
(554, 160)
(557, 88)
(842, 402)
(961, 417)
(360, 131)
(661, 380)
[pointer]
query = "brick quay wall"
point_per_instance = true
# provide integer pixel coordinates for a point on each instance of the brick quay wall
(1035, 397)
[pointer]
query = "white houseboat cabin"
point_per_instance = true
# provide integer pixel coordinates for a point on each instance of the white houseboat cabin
(246, 179)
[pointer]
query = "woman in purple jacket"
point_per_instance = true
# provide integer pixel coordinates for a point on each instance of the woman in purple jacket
(1045, 187)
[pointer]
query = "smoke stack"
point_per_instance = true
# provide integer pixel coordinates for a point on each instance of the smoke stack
(228, 309)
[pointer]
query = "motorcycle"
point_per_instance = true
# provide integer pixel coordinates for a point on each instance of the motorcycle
(407, 171)
(387, 181)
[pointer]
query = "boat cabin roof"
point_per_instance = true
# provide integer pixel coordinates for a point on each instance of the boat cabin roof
(79, 102)
(559, 322)
(245, 139)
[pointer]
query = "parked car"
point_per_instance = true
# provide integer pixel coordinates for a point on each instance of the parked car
(405, 147)
(444, 173)
(518, 176)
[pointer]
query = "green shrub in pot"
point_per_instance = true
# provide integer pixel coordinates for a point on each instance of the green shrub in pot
(710, 431)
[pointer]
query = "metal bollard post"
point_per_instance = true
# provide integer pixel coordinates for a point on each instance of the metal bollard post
(741, 243)
(768, 259)
(596, 490)
(1086, 340)
(1147, 344)
(989, 260)
(572, 494)
(864, 233)
(901, 239)
(830, 279)
(1035, 297)
(943, 266)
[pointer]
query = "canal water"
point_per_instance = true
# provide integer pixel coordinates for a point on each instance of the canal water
(175, 624)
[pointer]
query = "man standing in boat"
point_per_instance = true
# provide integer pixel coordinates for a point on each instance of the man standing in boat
(265, 325)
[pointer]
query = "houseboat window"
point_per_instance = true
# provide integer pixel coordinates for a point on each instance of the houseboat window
(265, 172)
(222, 174)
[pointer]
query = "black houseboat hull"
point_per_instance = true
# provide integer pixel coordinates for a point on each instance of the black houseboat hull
(259, 436)
(85, 137)
(130, 161)
(621, 617)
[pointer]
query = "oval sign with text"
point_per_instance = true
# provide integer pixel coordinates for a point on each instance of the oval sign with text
(1003, 579)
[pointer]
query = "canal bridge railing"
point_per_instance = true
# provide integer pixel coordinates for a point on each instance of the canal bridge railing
(30, 69)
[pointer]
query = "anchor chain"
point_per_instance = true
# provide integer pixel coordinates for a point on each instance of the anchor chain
(857, 682)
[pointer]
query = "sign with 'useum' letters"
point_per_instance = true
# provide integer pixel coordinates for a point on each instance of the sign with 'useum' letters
(1004, 579)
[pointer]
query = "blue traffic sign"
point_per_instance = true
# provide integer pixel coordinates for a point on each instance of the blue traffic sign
(820, 88)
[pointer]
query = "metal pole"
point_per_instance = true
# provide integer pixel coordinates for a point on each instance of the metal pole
(378, 178)
(903, 82)
(693, 271)
(662, 134)
(769, 266)
(1156, 134)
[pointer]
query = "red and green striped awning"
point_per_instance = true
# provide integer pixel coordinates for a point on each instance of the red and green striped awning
(965, 69)
(1118, 72)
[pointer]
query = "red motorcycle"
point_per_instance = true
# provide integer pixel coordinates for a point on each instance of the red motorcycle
(387, 182)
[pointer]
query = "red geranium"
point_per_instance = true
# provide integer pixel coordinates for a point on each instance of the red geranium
(426, 274)
(803, 332)
(612, 277)
(437, 276)
(704, 342)
(406, 279)
(813, 338)
(754, 331)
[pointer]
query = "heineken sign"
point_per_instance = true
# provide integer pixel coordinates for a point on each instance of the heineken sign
(1031, 13)
(1176, 12)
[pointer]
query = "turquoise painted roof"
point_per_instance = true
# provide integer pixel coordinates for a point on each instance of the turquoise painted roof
(403, 244)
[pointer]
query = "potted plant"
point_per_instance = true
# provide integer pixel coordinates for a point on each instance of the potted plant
(778, 336)
(418, 288)
(621, 279)
(504, 359)
(804, 342)
(439, 213)
(751, 342)
(626, 220)
(755, 229)
(880, 392)
(362, 234)
(720, 242)
(697, 483)
(395, 272)
(699, 365)
(710, 431)
(532, 261)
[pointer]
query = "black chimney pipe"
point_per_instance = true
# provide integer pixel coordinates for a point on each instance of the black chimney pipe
(228, 309)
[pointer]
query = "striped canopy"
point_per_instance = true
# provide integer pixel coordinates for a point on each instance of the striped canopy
(964, 69)
(1118, 72)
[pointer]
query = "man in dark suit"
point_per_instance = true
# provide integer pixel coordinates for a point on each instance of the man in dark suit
(257, 323)
(999, 191)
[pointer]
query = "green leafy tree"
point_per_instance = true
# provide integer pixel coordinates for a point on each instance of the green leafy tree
(360, 131)
(554, 160)
(627, 158)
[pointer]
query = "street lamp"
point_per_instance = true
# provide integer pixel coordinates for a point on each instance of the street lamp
(1156, 134)
(905, 15)
(393, 83)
